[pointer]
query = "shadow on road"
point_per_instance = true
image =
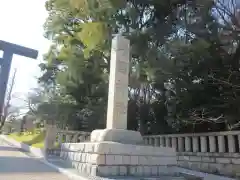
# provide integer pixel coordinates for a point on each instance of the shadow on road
(13, 164)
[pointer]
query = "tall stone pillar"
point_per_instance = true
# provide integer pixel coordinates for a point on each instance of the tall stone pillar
(116, 130)
(118, 84)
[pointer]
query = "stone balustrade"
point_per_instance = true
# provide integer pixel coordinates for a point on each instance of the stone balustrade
(215, 142)
(64, 136)
(214, 152)
(222, 142)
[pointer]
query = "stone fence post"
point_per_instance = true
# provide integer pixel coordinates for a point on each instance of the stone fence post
(50, 138)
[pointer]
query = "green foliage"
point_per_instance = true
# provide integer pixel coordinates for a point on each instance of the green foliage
(184, 63)
(92, 36)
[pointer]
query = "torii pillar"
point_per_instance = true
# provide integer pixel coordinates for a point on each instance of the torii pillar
(9, 50)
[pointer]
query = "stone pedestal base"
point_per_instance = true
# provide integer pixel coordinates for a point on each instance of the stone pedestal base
(116, 159)
(116, 135)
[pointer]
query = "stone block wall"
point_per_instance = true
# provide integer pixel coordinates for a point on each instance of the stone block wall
(227, 164)
(113, 159)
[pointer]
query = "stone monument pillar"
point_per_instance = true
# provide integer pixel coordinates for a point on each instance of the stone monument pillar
(116, 151)
(118, 97)
(118, 84)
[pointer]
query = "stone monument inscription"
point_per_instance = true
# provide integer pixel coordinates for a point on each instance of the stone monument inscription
(122, 67)
(122, 91)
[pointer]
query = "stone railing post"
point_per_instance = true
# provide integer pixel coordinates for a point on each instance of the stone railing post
(187, 144)
(174, 143)
(195, 144)
(75, 138)
(212, 144)
(231, 144)
(221, 144)
(203, 142)
(152, 143)
(68, 138)
(168, 142)
(180, 144)
(161, 141)
(146, 141)
(156, 141)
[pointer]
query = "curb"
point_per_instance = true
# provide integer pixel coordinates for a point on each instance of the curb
(204, 176)
(42, 159)
(64, 171)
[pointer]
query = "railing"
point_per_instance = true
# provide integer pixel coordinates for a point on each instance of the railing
(72, 136)
(222, 142)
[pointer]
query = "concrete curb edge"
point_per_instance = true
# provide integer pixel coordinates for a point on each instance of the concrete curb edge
(64, 171)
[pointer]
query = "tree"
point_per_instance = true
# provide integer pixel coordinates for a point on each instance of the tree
(66, 28)
(184, 60)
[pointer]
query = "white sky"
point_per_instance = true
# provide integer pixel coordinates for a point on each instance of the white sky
(22, 23)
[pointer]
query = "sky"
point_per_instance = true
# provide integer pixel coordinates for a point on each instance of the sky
(22, 23)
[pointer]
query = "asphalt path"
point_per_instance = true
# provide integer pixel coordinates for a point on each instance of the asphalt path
(17, 165)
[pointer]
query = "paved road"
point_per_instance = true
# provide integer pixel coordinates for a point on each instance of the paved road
(15, 165)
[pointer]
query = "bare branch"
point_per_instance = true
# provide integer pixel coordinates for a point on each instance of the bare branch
(225, 82)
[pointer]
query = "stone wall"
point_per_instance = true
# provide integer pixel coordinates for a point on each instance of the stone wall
(115, 159)
(217, 163)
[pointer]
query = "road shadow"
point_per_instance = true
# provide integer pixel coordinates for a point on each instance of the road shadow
(12, 164)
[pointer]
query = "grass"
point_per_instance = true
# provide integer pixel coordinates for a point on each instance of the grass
(34, 138)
